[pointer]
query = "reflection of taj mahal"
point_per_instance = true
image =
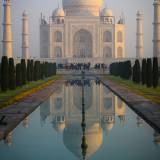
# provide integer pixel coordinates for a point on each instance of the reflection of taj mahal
(82, 29)
(64, 111)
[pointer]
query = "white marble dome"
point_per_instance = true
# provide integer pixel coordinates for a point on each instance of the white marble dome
(59, 12)
(82, 7)
(107, 12)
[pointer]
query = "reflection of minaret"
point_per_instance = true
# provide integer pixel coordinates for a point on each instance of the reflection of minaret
(25, 39)
(157, 138)
(8, 139)
(7, 30)
(140, 36)
(139, 121)
(26, 122)
(156, 29)
(120, 110)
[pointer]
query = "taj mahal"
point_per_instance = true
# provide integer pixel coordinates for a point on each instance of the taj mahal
(82, 29)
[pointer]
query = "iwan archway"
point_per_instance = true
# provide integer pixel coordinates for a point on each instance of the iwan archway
(82, 44)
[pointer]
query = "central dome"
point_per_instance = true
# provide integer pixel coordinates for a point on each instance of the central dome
(82, 7)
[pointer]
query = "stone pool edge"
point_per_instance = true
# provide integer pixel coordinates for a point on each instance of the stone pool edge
(19, 111)
(146, 109)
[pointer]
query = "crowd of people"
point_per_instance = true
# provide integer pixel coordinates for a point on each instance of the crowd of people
(81, 66)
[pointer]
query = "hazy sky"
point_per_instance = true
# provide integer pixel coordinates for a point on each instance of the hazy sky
(35, 7)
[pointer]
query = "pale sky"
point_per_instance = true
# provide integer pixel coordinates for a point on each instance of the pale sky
(35, 7)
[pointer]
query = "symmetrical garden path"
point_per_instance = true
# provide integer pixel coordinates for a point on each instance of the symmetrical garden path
(15, 113)
(148, 110)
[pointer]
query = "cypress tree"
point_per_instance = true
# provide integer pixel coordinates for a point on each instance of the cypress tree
(144, 71)
(55, 69)
(134, 74)
(12, 74)
(18, 75)
(137, 72)
(28, 70)
(0, 74)
(155, 72)
(36, 70)
(4, 74)
(23, 71)
(149, 73)
(32, 69)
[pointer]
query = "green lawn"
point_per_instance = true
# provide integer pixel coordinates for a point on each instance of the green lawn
(10, 97)
(149, 93)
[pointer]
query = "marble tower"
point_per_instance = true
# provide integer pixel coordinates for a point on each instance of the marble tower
(140, 36)
(7, 30)
(25, 36)
(156, 28)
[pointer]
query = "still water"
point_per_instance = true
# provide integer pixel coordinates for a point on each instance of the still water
(78, 123)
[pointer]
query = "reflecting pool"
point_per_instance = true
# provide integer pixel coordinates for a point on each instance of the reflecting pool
(82, 120)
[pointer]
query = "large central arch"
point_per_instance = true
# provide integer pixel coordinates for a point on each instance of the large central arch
(82, 44)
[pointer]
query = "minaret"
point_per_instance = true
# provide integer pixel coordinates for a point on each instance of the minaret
(156, 29)
(25, 36)
(140, 36)
(7, 30)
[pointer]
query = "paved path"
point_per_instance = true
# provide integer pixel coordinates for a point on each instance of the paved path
(19, 111)
(148, 110)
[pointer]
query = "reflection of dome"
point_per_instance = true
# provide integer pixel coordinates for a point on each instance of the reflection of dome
(108, 123)
(108, 126)
(72, 138)
(107, 12)
(59, 127)
(59, 12)
(90, 7)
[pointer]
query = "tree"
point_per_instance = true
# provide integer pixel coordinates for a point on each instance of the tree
(149, 73)
(12, 74)
(18, 75)
(155, 72)
(37, 71)
(28, 70)
(32, 69)
(144, 67)
(4, 74)
(137, 72)
(23, 71)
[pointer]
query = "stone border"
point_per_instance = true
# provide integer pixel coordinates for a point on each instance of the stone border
(17, 112)
(146, 109)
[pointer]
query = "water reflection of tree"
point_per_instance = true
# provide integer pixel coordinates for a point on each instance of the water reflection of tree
(84, 145)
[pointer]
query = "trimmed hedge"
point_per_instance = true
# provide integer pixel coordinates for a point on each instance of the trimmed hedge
(122, 69)
(12, 76)
(147, 74)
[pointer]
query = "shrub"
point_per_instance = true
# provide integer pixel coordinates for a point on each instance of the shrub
(28, 70)
(137, 72)
(23, 71)
(155, 72)
(144, 67)
(4, 74)
(149, 73)
(18, 75)
(12, 74)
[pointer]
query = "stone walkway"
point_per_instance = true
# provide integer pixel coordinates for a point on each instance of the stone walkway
(15, 113)
(148, 110)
